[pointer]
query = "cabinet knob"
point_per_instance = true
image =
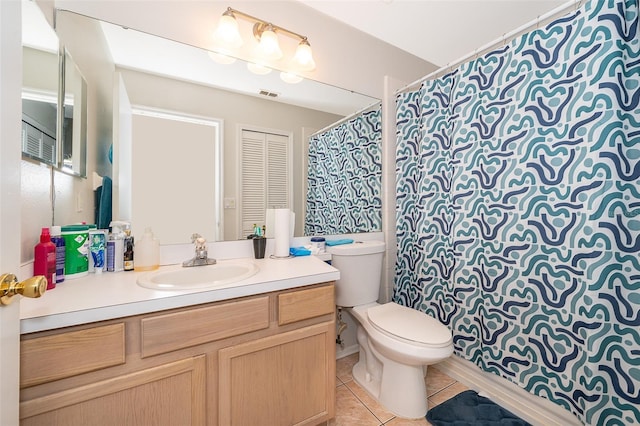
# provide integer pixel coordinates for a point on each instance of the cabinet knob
(31, 287)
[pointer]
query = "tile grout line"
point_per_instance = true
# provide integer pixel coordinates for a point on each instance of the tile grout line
(380, 422)
(442, 390)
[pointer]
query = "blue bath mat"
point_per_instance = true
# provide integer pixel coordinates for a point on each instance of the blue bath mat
(470, 409)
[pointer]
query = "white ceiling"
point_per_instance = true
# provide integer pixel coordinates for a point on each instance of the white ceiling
(440, 32)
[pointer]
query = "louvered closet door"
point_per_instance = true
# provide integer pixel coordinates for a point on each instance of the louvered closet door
(277, 175)
(265, 176)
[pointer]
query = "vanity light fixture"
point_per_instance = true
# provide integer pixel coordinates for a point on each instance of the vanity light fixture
(227, 36)
(268, 47)
(303, 59)
(227, 33)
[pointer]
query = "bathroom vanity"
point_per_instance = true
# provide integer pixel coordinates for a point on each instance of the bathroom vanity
(261, 351)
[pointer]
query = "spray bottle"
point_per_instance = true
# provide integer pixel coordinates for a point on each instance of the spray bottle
(115, 246)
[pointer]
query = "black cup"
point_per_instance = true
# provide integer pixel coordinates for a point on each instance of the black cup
(259, 246)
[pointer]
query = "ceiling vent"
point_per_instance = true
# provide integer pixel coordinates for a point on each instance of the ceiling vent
(268, 94)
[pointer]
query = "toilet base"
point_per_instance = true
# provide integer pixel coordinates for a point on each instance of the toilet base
(399, 388)
(393, 370)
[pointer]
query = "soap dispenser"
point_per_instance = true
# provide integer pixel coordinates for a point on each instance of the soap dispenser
(147, 252)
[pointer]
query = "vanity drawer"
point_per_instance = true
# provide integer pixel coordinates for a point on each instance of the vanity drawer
(49, 358)
(304, 304)
(178, 330)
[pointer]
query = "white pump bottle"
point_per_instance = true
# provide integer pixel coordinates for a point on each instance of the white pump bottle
(147, 252)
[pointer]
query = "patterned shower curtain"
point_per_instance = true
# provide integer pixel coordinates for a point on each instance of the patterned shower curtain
(345, 177)
(518, 210)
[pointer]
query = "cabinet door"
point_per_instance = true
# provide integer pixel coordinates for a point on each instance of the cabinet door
(170, 394)
(286, 379)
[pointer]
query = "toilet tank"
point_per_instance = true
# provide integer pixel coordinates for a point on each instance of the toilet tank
(360, 266)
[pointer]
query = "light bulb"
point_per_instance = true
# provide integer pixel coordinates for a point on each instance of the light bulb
(258, 69)
(269, 48)
(227, 33)
(290, 78)
(303, 59)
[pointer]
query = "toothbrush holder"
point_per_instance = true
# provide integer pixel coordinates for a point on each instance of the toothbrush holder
(259, 246)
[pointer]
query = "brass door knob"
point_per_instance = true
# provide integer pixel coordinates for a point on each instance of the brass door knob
(31, 287)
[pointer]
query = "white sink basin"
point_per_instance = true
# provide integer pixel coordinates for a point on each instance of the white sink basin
(195, 277)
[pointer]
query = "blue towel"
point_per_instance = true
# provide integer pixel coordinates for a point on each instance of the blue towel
(299, 251)
(104, 204)
(338, 242)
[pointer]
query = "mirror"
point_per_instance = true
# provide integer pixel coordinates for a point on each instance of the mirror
(167, 81)
(40, 81)
(53, 98)
(72, 118)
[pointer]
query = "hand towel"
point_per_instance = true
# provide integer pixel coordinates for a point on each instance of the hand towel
(299, 251)
(338, 242)
(104, 206)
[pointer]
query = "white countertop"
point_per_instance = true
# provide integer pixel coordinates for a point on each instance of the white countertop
(99, 297)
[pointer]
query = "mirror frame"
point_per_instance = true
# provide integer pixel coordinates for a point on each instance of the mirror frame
(76, 142)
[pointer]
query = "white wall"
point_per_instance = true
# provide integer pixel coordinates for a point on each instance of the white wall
(40, 70)
(173, 95)
(173, 178)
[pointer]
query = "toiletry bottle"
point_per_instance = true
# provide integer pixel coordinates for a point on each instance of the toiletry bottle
(97, 250)
(44, 259)
(111, 252)
(128, 249)
(147, 252)
(115, 247)
(91, 228)
(58, 240)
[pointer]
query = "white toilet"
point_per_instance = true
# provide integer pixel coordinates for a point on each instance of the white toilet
(396, 342)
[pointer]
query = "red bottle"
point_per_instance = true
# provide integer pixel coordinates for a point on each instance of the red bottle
(44, 259)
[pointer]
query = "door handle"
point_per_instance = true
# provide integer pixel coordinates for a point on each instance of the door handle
(31, 287)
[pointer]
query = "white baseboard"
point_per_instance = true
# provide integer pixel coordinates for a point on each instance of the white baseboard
(534, 409)
(343, 352)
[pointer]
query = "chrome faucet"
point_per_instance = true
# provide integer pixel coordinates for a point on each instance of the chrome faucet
(201, 258)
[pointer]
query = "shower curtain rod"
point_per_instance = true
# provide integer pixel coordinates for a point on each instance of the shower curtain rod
(575, 4)
(347, 118)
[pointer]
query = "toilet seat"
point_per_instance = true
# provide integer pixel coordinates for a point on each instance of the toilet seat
(409, 324)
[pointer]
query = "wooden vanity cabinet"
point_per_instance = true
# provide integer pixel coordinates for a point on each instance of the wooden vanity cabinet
(262, 360)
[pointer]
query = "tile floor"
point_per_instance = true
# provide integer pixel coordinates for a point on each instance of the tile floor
(355, 407)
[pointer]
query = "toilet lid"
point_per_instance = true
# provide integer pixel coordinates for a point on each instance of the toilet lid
(409, 324)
